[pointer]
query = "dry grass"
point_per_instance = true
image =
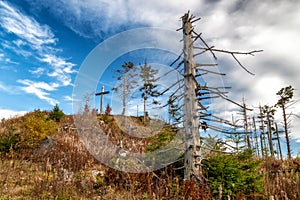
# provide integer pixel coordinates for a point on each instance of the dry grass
(282, 179)
(62, 168)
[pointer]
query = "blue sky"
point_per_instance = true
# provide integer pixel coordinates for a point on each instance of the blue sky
(43, 43)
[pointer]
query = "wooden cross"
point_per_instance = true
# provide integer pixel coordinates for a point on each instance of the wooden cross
(102, 93)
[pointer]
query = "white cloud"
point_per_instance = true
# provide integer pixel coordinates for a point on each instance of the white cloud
(235, 25)
(96, 18)
(68, 98)
(38, 41)
(5, 113)
(16, 49)
(40, 89)
(38, 37)
(62, 68)
(6, 60)
(38, 71)
(8, 88)
(19, 42)
(25, 27)
(2, 87)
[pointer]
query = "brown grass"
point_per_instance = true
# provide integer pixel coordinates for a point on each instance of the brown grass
(64, 169)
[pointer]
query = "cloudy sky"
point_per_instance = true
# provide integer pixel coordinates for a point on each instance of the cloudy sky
(43, 44)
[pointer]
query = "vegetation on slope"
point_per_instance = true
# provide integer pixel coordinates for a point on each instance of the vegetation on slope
(43, 158)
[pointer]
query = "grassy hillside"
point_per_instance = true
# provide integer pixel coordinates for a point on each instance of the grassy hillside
(43, 158)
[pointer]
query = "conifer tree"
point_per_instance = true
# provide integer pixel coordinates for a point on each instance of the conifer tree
(148, 89)
(127, 82)
(285, 96)
(56, 114)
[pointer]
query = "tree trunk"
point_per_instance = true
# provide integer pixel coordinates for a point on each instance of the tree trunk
(278, 140)
(264, 152)
(191, 117)
(246, 127)
(145, 103)
(270, 135)
(124, 94)
(289, 154)
(256, 138)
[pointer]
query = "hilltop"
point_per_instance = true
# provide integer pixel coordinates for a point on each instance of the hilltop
(42, 157)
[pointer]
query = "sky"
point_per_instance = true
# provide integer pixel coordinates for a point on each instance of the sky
(43, 45)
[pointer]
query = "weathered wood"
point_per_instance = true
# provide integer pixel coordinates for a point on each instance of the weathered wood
(191, 117)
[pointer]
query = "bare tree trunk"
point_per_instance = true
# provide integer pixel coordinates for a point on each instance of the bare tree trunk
(256, 138)
(289, 154)
(264, 151)
(270, 135)
(278, 140)
(246, 126)
(145, 103)
(124, 94)
(191, 117)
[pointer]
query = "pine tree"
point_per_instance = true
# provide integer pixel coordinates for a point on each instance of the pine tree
(147, 74)
(285, 96)
(56, 114)
(173, 111)
(269, 112)
(127, 82)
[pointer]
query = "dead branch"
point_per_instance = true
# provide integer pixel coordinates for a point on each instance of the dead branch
(208, 71)
(171, 86)
(233, 53)
(203, 41)
(205, 65)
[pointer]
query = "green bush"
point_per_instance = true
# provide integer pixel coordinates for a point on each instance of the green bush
(56, 114)
(160, 140)
(235, 174)
(8, 141)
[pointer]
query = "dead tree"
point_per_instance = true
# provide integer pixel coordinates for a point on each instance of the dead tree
(195, 114)
(269, 112)
(247, 133)
(255, 137)
(191, 116)
(278, 141)
(264, 149)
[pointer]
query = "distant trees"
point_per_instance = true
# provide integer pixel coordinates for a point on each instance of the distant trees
(269, 130)
(129, 76)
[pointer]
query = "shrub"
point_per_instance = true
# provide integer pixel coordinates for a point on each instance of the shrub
(107, 109)
(8, 141)
(235, 174)
(35, 128)
(56, 114)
